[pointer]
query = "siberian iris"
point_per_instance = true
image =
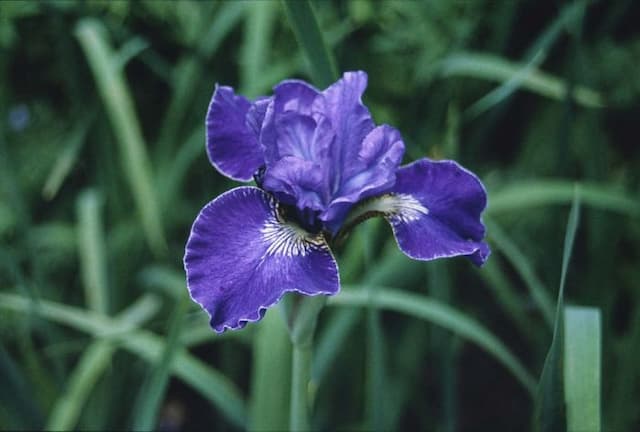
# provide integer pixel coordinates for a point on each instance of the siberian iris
(321, 166)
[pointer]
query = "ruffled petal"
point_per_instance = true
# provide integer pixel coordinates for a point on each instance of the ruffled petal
(241, 258)
(232, 144)
(434, 209)
(297, 182)
(374, 168)
(292, 96)
(351, 120)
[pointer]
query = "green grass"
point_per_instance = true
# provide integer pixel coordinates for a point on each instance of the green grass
(103, 169)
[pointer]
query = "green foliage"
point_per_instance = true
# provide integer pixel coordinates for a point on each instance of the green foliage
(103, 169)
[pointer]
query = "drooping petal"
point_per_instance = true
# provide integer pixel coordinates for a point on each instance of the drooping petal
(374, 172)
(434, 210)
(241, 258)
(232, 144)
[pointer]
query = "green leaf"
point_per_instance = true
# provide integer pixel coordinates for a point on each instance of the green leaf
(494, 68)
(440, 314)
(271, 380)
(582, 357)
(95, 359)
(91, 248)
(538, 193)
(549, 408)
(305, 26)
(126, 128)
(209, 382)
(150, 395)
(512, 253)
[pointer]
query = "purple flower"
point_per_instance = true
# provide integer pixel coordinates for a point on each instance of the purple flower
(321, 166)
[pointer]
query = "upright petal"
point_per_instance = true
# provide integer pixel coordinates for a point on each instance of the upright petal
(434, 209)
(291, 96)
(351, 120)
(241, 258)
(302, 170)
(373, 170)
(232, 144)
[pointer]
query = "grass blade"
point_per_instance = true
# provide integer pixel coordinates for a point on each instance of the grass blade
(120, 108)
(550, 410)
(524, 268)
(305, 26)
(254, 53)
(494, 68)
(544, 192)
(91, 365)
(582, 354)
(91, 248)
(210, 383)
(153, 389)
(422, 307)
(271, 380)
(67, 158)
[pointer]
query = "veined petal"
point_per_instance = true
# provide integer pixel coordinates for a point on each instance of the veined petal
(434, 209)
(289, 96)
(351, 120)
(374, 172)
(241, 258)
(232, 144)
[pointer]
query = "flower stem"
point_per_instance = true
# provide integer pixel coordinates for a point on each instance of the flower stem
(300, 375)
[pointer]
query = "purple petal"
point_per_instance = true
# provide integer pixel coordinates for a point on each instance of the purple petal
(300, 180)
(232, 144)
(351, 120)
(374, 172)
(241, 258)
(302, 171)
(434, 209)
(289, 96)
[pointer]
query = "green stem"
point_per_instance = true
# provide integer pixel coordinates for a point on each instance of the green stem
(300, 375)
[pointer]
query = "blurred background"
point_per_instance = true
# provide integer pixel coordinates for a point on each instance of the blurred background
(103, 169)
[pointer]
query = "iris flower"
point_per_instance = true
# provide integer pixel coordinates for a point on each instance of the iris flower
(321, 166)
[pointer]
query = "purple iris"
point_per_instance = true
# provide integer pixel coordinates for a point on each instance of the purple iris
(321, 166)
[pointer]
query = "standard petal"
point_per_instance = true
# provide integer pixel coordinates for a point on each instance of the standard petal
(232, 144)
(301, 181)
(373, 172)
(289, 96)
(434, 209)
(241, 258)
(351, 120)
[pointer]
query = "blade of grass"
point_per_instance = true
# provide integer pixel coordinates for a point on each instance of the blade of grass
(534, 58)
(582, 353)
(153, 389)
(305, 26)
(549, 404)
(259, 21)
(422, 307)
(90, 367)
(271, 380)
(209, 382)
(187, 75)
(120, 108)
(494, 68)
(524, 268)
(68, 156)
(91, 251)
(544, 192)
